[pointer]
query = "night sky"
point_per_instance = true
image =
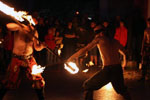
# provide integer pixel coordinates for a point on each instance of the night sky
(69, 7)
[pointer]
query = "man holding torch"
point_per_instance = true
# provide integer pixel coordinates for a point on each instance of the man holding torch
(22, 60)
(110, 50)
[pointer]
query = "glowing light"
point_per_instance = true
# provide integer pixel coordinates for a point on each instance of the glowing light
(77, 12)
(108, 86)
(37, 69)
(86, 70)
(89, 18)
(20, 15)
(90, 64)
(59, 52)
(72, 68)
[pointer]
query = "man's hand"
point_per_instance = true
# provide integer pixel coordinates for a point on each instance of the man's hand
(43, 44)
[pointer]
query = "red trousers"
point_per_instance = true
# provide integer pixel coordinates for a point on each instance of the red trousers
(16, 67)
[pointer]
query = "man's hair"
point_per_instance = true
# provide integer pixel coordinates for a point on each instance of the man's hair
(98, 31)
(148, 19)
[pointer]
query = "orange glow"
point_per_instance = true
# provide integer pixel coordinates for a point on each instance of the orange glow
(37, 69)
(20, 15)
(77, 12)
(86, 70)
(90, 64)
(73, 70)
(59, 52)
(108, 86)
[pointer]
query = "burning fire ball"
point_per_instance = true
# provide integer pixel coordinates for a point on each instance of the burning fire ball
(71, 67)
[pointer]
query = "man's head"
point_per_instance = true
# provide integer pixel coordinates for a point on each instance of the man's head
(101, 32)
(148, 22)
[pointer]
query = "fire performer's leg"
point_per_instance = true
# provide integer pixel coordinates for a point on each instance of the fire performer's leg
(38, 81)
(118, 82)
(3, 91)
(100, 79)
(40, 93)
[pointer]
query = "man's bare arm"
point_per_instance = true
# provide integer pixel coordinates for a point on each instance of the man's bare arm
(83, 50)
(124, 58)
(37, 45)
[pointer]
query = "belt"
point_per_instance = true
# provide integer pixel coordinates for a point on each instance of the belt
(22, 57)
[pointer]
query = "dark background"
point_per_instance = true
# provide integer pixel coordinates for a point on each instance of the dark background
(67, 7)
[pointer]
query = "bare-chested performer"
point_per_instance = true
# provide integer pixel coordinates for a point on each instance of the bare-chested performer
(110, 50)
(145, 51)
(23, 60)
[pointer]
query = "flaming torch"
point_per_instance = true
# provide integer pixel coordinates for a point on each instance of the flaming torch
(21, 16)
(37, 69)
(71, 67)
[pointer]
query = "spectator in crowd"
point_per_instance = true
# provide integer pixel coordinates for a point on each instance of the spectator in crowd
(2, 60)
(50, 41)
(145, 51)
(121, 34)
(8, 46)
(42, 30)
(69, 40)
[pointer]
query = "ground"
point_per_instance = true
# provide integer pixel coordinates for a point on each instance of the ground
(61, 85)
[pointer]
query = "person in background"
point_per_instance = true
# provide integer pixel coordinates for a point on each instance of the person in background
(69, 40)
(8, 46)
(2, 56)
(145, 51)
(121, 34)
(50, 41)
(93, 52)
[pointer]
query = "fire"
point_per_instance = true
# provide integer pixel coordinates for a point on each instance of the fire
(37, 69)
(59, 52)
(71, 67)
(90, 64)
(108, 86)
(20, 15)
(86, 70)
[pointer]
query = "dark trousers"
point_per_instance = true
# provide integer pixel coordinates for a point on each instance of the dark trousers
(113, 74)
(145, 65)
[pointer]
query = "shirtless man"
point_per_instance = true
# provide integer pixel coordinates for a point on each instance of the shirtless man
(112, 69)
(145, 51)
(23, 60)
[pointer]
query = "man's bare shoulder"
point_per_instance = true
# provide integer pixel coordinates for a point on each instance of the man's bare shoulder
(13, 26)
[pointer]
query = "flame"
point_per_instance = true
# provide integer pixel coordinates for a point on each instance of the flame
(59, 52)
(73, 67)
(90, 64)
(20, 15)
(86, 70)
(37, 69)
(108, 86)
